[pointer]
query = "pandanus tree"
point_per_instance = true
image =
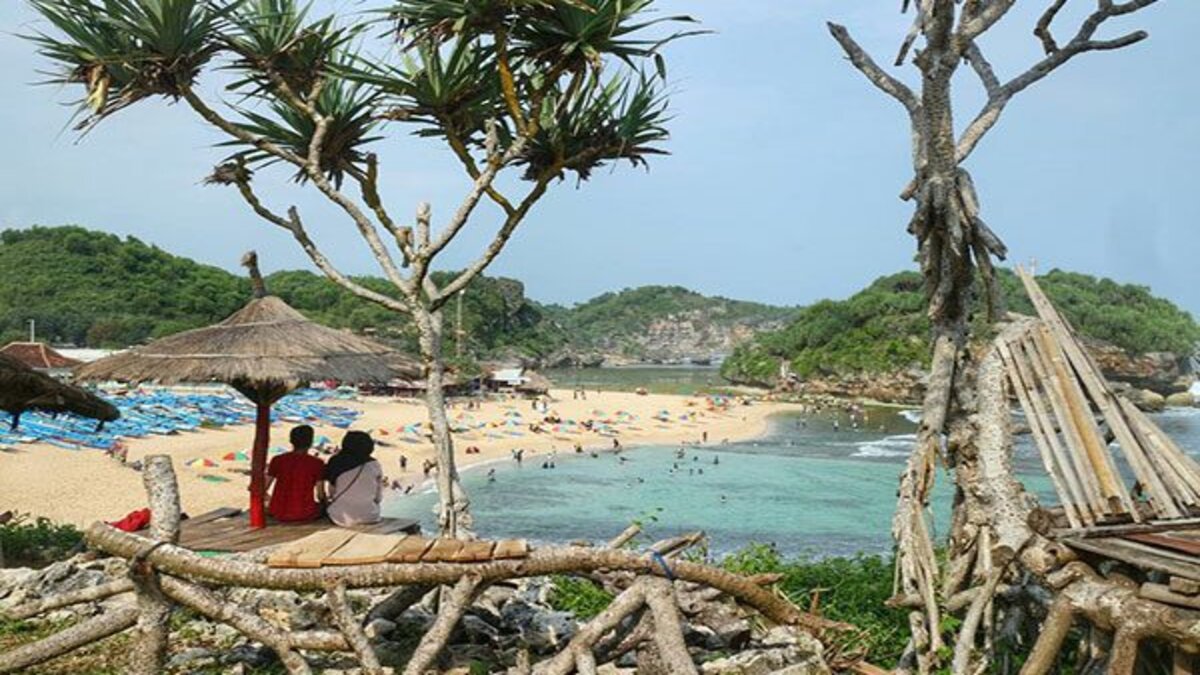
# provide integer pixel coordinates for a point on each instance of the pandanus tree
(543, 89)
(955, 246)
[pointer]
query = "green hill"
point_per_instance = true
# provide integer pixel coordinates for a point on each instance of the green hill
(657, 322)
(883, 327)
(95, 289)
(91, 288)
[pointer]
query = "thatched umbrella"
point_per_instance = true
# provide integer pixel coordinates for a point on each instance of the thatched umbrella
(264, 350)
(23, 388)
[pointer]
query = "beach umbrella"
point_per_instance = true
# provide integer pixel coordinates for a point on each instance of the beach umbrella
(264, 350)
(202, 463)
(236, 457)
(23, 388)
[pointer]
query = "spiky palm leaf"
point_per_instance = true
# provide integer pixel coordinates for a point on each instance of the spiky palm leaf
(124, 51)
(275, 37)
(446, 90)
(350, 109)
(575, 38)
(620, 119)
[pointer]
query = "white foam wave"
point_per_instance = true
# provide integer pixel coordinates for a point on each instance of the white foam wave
(899, 445)
(913, 416)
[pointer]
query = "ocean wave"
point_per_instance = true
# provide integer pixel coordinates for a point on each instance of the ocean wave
(913, 416)
(899, 445)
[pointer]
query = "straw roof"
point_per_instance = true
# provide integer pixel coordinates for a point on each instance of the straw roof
(22, 388)
(267, 341)
(37, 355)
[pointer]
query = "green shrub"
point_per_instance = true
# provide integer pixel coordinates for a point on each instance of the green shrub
(36, 542)
(580, 596)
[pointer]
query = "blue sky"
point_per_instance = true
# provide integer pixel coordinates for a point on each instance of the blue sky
(782, 186)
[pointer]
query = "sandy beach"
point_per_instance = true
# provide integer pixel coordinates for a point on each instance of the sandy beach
(81, 486)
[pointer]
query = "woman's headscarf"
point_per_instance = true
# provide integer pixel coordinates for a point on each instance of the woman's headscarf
(357, 447)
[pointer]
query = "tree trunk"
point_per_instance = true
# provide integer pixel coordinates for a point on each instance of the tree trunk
(454, 517)
(150, 647)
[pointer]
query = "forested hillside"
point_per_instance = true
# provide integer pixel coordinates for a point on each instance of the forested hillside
(883, 327)
(94, 289)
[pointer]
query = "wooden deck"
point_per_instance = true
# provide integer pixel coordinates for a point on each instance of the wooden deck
(228, 530)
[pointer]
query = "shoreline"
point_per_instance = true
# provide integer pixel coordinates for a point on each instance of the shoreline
(81, 486)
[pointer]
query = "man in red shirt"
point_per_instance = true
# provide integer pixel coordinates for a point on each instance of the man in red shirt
(296, 477)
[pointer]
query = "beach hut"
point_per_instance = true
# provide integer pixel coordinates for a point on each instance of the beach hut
(40, 357)
(22, 388)
(264, 350)
(534, 384)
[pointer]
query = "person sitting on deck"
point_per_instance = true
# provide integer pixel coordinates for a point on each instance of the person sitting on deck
(295, 475)
(356, 482)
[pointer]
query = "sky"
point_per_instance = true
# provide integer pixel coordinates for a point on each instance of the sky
(782, 183)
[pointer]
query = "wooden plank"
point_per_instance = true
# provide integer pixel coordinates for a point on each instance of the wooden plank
(364, 549)
(1137, 555)
(443, 550)
(1065, 482)
(215, 514)
(1187, 546)
(475, 551)
(1062, 418)
(1184, 586)
(1161, 459)
(318, 546)
(507, 549)
(409, 550)
(1127, 528)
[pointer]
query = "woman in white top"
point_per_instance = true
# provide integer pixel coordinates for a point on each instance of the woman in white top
(355, 482)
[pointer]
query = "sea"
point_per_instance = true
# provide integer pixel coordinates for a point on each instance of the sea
(815, 485)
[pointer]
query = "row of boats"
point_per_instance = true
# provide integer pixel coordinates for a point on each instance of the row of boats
(163, 412)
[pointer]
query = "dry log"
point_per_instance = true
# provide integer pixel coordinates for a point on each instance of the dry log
(253, 626)
(149, 651)
(343, 617)
(394, 605)
(89, 594)
(586, 638)
(182, 562)
(668, 628)
(1049, 643)
(83, 633)
(449, 613)
(625, 537)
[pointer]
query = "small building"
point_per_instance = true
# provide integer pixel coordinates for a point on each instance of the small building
(40, 357)
(516, 380)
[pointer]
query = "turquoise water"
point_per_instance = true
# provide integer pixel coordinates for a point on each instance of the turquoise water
(805, 488)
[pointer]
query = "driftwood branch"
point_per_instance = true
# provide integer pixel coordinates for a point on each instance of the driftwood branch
(80, 635)
(343, 617)
(542, 562)
(668, 628)
(89, 594)
(454, 603)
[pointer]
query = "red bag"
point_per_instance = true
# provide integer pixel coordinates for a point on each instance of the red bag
(133, 521)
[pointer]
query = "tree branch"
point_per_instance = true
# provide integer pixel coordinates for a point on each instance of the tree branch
(510, 224)
(343, 618)
(1042, 30)
(871, 70)
(454, 604)
(1082, 42)
(976, 24)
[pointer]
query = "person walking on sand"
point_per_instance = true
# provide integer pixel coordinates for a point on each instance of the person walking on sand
(355, 482)
(294, 480)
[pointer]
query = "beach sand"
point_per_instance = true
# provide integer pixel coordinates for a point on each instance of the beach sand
(82, 486)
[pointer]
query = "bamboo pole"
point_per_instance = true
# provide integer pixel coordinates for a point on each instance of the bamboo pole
(1065, 482)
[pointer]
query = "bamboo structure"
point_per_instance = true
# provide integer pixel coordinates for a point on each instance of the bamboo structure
(1063, 394)
(164, 574)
